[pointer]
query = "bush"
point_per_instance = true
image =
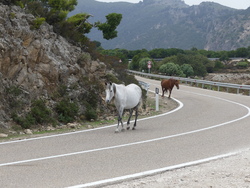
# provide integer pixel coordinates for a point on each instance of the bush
(90, 113)
(187, 70)
(242, 65)
(37, 23)
(39, 114)
(171, 69)
(67, 111)
(83, 59)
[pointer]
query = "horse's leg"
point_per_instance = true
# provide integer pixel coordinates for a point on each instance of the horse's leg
(163, 89)
(136, 115)
(170, 91)
(130, 114)
(120, 113)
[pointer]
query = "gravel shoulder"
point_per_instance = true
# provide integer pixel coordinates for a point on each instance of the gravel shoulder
(230, 172)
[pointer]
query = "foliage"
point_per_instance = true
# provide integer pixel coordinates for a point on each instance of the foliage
(171, 69)
(109, 27)
(242, 64)
(66, 110)
(90, 113)
(218, 65)
(83, 59)
(134, 64)
(39, 114)
(80, 22)
(187, 70)
(143, 64)
(74, 28)
(37, 23)
(13, 90)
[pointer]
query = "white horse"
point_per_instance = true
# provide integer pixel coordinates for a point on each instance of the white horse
(125, 97)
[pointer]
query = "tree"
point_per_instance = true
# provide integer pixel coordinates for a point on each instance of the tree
(134, 65)
(109, 27)
(143, 63)
(171, 69)
(80, 22)
(187, 70)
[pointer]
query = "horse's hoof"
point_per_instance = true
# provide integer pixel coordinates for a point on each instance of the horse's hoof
(128, 128)
(123, 129)
(116, 131)
(133, 128)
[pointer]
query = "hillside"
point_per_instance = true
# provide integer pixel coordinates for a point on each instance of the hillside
(43, 78)
(171, 24)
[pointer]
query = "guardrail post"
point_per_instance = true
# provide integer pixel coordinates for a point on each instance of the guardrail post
(238, 90)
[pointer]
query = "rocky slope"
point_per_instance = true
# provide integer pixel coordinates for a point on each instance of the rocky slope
(37, 63)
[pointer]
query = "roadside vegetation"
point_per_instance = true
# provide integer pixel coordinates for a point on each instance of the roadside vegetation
(182, 63)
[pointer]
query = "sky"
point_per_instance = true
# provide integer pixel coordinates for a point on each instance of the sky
(238, 4)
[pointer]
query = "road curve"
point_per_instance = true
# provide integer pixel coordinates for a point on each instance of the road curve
(209, 124)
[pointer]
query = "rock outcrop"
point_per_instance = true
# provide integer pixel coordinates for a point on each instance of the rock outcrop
(34, 63)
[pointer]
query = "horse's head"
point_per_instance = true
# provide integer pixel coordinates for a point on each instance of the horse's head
(177, 84)
(110, 91)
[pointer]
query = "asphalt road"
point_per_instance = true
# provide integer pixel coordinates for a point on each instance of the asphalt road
(207, 124)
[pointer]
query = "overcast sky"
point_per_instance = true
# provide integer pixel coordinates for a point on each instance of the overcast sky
(238, 4)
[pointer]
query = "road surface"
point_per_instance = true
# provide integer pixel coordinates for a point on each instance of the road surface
(207, 125)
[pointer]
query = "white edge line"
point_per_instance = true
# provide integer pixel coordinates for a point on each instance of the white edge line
(95, 129)
(133, 143)
(151, 172)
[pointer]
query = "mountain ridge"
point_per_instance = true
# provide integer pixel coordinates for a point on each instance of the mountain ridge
(171, 24)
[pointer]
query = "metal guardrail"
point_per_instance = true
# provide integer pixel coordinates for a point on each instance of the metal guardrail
(145, 86)
(197, 81)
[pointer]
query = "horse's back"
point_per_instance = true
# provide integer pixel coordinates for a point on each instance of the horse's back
(133, 95)
(165, 84)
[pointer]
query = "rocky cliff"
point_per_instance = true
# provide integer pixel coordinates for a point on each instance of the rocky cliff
(37, 64)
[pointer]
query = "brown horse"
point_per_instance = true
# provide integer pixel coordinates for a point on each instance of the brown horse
(168, 85)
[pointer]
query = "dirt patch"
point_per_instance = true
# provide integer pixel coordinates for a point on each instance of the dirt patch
(234, 78)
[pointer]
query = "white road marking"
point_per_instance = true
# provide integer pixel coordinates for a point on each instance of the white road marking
(140, 142)
(141, 174)
(150, 172)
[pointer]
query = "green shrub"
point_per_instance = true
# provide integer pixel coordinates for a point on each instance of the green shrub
(12, 15)
(112, 78)
(25, 122)
(242, 65)
(14, 91)
(67, 111)
(90, 113)
(37, 23)
(85, 57)
(39, 114)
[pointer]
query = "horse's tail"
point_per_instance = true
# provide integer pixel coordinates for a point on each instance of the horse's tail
(140, 104)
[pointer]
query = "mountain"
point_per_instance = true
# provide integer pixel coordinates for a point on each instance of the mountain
(153, 24)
